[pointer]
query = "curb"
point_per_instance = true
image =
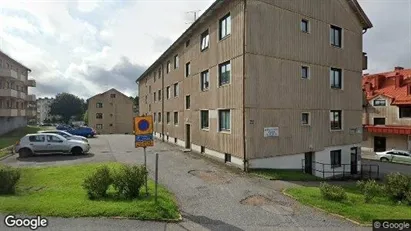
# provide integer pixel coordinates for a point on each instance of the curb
(8, 155)
(376, 160)
(330, 213)
(179, 219)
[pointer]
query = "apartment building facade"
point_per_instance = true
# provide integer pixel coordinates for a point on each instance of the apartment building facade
(111, 112)
(14, 97)
(43, 109)
(387, 110)
(264, 84)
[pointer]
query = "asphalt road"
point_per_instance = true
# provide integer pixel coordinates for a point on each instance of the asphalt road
(209, 194)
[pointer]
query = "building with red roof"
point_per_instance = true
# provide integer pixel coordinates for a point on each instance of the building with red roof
(387, 110)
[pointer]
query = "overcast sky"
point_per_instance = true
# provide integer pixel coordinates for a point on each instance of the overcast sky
(86, 47)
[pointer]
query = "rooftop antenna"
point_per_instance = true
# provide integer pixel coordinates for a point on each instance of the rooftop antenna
(194, 12)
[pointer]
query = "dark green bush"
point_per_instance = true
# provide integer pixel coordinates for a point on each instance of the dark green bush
(408, 197)
(128, 180)
(369, 189)
(332, 192)
(8, 177)
(98, 183)
(397, 185)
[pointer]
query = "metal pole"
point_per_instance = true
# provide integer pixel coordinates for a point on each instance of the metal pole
(145, 166)
(156, 178)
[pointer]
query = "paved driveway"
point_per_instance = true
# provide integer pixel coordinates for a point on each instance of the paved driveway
(211, 196)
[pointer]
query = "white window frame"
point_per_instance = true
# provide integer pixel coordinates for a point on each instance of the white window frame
(201, 120)
(218, 122)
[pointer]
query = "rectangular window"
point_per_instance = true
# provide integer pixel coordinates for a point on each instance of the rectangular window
(336, 78)
(99, 115)
(336, 119)
(404, 112)
(168, 117)
(225, 26)
(176, 62)
(227, 157)
(205, 78)
(204, 119)
(379, 102)
(224, 73)
(175, 118)
(99, 105)
(149, 107)
(224, 120)
(155, 97)
(168, 92)
(149, 89)
(304, 26)
(188, 43)
(305, 118)
(145, 99)
(99, 126)
(112, 95)
(155, 75)
(336, 36)
(188, 69)
(168, 67)
(335, 158)
(304, 72)
(155, 117)
(188, 102)
(205, 40)
(159, 95)
(159, 117)
(379, 121)
(176, 90)
(40, 138)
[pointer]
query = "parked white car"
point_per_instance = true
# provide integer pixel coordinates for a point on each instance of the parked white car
(48, 143)
(65, 135)
(394, 156)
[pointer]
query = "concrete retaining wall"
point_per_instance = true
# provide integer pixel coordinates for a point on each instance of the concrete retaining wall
(10, 123)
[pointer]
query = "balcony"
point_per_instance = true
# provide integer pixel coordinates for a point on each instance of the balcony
(31, 98)
(31, 83)
(8, 112)
(8, 93)
(364, 61)
(9, 73)
(21, 95)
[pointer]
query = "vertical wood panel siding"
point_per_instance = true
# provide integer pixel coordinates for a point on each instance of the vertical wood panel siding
(276, 95)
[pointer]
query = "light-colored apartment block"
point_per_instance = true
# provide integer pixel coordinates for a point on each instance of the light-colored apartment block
(387, 110)
(43, 109)
(14, 97)
(111, 112)
(265, 84)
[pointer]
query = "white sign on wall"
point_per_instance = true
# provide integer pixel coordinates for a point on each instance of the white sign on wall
(271, 132)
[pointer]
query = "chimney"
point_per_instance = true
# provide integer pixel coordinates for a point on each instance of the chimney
(378, 81)
(398, 68)
(367, 87)
(398, 81)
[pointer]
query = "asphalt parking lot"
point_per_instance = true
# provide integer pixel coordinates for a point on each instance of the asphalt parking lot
(211, 196)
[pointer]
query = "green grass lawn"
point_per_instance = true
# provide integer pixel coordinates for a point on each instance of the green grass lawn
(287, 175)
(354, 208)
(57, 191)
(13, 136)
(3, 153)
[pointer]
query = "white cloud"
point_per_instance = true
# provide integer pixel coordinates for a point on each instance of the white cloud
(87, 5)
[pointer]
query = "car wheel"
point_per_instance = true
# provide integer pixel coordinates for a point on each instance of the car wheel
(76, 151)
(25, 152)
(383, 159)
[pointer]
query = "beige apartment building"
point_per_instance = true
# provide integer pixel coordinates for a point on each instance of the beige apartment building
(387, 110)
(111, 112)
(264, 84)
(14, 97)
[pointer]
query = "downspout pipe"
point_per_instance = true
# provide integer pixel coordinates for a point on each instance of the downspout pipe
(162, 102)
(244, 76)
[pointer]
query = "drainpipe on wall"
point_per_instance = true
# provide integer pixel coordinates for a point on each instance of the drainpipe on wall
(244, 74)
(162, 102)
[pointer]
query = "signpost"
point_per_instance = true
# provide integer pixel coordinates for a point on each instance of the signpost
(143, 130)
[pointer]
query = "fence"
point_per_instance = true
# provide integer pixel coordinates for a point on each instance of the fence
(333, 172)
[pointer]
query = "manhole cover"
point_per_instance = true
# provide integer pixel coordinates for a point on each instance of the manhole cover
(256, 200)
(209, 176)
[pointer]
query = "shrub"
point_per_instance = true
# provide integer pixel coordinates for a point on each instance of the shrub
(128, 180)
(98, 183)
(397, 185)
(369, 189)
(8, 177)
(408, 197)
(332, 192)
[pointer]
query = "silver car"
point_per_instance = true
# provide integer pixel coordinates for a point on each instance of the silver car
(65, 135)
(394, 155)
(48, 143)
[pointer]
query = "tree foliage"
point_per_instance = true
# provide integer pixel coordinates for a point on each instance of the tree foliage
(67, 106)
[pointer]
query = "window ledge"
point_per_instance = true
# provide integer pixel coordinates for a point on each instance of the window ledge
(205, 129)
(225, 132)
(205, 90)
(335, 46)
(224, 85)
(224, 38)
(336, 130)
(306, 125)
(205, 49)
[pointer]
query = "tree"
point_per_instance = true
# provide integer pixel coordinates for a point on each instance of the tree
(85, 117)
(67, 106)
